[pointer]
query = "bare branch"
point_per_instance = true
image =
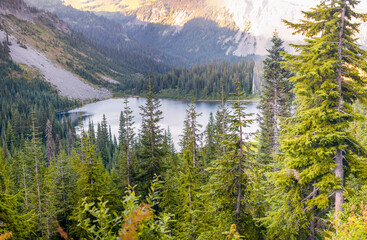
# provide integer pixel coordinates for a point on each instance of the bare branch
(360, 147)
(311, 194)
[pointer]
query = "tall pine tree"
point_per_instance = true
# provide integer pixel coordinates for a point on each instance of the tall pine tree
(49, 142)
(11, 220)
(276, 98)
(190, 176)
(229, 189)
(123, 173)
(318, 150)
(151, 153)
(126, 138)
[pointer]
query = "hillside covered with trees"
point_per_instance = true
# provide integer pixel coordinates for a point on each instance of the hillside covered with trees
(200, 81)
(302, 176)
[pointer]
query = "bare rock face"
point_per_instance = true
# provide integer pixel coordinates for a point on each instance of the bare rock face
(252, 21)
(265, 16)
(17, 8)
(57, 23)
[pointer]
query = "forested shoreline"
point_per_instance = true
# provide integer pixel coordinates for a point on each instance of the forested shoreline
(302, 176)
(202, 82)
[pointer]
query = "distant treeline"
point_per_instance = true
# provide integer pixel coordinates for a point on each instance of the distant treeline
(200, 81)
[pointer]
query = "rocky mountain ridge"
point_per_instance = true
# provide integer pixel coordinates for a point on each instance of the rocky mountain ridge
(44, 46)
(194, 42)
(252, 22)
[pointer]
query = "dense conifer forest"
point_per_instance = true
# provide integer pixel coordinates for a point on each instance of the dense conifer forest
(22, 94)
(199, 81)
(302, 176)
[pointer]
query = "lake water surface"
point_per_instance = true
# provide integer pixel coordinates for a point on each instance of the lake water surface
(173, 114)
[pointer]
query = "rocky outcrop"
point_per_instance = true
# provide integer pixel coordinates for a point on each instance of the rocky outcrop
(16, 8)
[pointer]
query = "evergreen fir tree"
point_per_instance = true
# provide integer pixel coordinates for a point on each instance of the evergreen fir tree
(62, 185)
(150, 155)
(49, 142)
(93, 178)
(211, 145)
(34, 168)
(126, 138)
(20, 225)
(57, 145)
(10, 138)
(221, 125)
(276, 99)
(49, 207)
(103, 141)
(5, 180)
(91, 132)
(123, 172)
(318, 150)
(190, 177)
(170, 188)
(70, 141)
(191, 135)
(229, 188)
(169, 149)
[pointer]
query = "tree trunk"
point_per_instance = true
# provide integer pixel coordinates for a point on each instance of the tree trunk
(191, 217)
(152, 135)
(339, 171)
(313, 221)
(70, 142)
(193, 142)
(62, 178)
(47, 223)
(36, 169)
(239, 189)
(49, 143)
(223, 117)
(190, 197)
(128, 153)
(25, 187)
(57, 145)
(275, 119)
(38, 185)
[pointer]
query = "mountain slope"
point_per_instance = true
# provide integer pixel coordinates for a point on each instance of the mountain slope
(199, 40)
(252, 21)
(184, 45)
(77, 67)
(111, 35)
(42, 44)
(67, 83)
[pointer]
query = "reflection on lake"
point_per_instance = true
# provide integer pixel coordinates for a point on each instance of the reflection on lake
(173, 114)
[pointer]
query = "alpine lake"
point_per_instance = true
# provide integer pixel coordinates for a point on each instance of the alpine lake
(174, 112)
